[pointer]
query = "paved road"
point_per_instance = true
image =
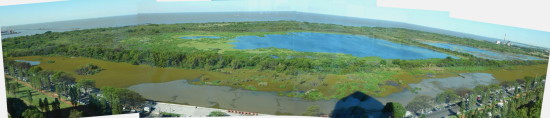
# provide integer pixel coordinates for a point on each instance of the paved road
(444, 112)
(190, 111)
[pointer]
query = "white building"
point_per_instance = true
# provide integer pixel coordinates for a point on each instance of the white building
(500, 104)
(408, 114)
(146, 109)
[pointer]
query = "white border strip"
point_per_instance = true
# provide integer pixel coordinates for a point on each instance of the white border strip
(546, 97)
(3, 97)
(19, 2)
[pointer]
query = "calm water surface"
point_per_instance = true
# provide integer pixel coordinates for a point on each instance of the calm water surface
(203, 17)
(32, 63)
(360, 46)
(482, 53)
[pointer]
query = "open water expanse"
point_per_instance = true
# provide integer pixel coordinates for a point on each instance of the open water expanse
(360, 46)
(203, 17)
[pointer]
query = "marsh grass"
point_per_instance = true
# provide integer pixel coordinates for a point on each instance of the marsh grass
(328, 85)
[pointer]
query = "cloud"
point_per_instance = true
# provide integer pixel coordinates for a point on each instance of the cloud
(19, 2)
(529, 14)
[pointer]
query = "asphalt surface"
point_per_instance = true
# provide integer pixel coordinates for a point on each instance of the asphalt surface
(191, 111)
(443, 113)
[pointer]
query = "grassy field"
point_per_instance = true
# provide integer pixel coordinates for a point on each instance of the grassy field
(22, 94)
(376, 82)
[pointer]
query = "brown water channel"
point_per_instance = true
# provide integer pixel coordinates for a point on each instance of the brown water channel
(181, 92)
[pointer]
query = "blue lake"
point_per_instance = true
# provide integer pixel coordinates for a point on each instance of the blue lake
(200, 37)
(360, 46)
(482, 53)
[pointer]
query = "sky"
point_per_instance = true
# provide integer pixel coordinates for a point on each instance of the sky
(522, 22)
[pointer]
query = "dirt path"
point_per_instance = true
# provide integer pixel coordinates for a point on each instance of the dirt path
(41, 91)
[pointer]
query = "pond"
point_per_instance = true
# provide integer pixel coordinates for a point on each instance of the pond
(482, 53)
(360, 46)
(32, 63)
(181, 92)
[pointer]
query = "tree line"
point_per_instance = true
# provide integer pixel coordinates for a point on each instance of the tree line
(519, 98)
(212, 60)
(111, 101)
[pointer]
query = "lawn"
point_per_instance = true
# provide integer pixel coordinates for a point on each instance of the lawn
(166, 114)
(22, 94)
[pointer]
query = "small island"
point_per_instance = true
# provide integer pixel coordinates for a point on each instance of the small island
(89, 69)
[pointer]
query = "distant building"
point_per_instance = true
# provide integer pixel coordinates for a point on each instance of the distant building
(504, 41)
(6, 32)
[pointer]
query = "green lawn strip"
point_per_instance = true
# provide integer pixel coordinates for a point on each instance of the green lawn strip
(22, 94)
(170, 114)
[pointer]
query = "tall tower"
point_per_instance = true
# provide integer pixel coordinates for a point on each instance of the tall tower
(503, 40)
(508, 43)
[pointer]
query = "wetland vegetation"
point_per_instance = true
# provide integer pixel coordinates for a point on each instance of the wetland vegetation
(156, 53)
(88, 69)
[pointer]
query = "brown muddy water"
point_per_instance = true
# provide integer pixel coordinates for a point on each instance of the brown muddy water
(181, 92)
